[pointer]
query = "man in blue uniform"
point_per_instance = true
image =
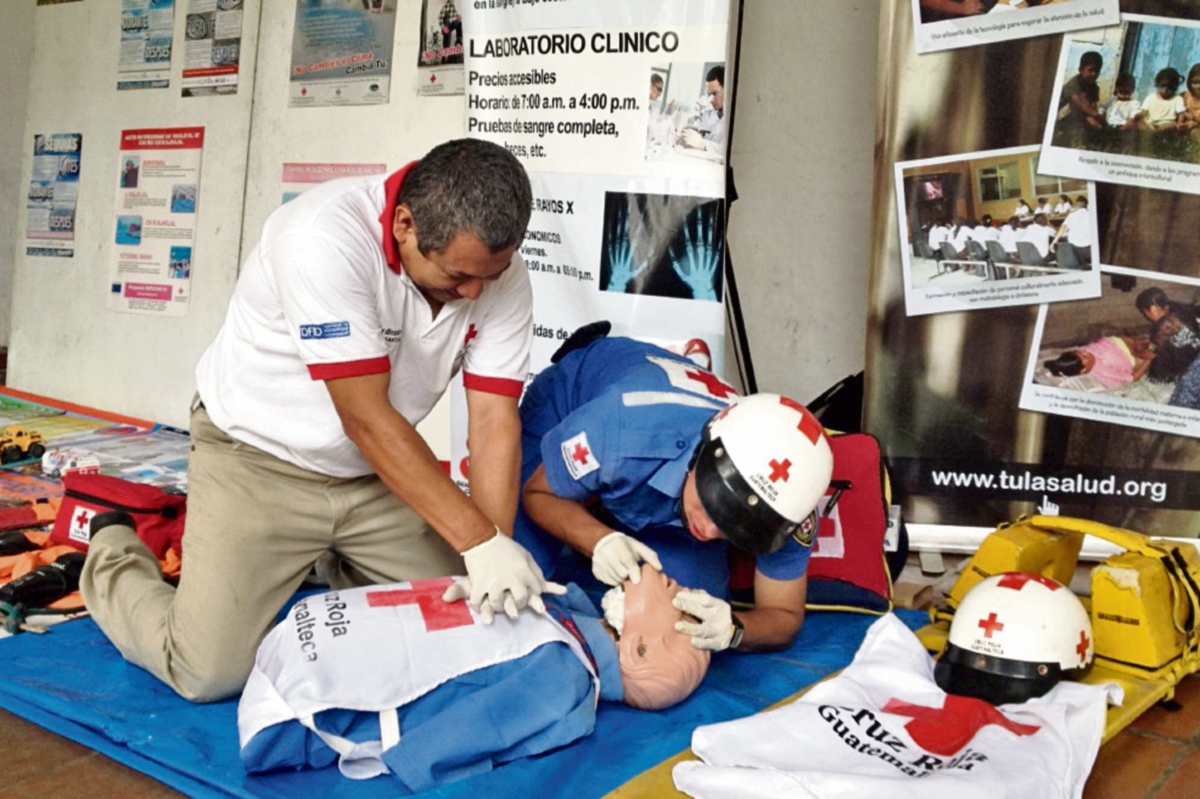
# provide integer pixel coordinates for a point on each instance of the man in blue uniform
(631, 453)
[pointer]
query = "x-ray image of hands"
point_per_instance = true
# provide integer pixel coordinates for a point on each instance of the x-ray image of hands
(664, 245)
(621, 253)
(699, 258)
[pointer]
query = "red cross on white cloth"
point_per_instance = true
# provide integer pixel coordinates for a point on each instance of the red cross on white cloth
(427, 596)
(578, 456)
(946, 730)
(713, 384)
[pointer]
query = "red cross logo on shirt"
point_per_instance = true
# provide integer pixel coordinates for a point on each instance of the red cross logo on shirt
(990, 625)
(427, 596)
(948, 729)
(1082, 648)
(715, 385)
(580, 454)
(1018, 580)
(471, 333)
(779, 471)
(809, 426)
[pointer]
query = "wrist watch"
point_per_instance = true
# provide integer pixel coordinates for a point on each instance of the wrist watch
(738, 632)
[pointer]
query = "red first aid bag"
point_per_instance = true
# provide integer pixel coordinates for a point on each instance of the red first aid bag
(157, 515)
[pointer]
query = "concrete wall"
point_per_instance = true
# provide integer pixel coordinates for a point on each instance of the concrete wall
(16, 52)
(802, 153)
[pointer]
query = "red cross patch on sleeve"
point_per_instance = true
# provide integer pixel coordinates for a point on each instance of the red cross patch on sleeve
(578, 457)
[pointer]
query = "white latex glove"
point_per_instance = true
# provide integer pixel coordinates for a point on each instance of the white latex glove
(501, 575)
(714, 628)
(690, 137)
(617, 558)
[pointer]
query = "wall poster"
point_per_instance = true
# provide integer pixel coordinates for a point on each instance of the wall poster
(440, 55)
(53, 195)
(145, 55)
(342, 53)
(154, 233)
(212, 51)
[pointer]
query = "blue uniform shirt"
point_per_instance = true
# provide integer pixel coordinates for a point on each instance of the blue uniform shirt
(619, 420)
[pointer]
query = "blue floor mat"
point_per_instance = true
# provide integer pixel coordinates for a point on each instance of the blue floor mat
(73, 681)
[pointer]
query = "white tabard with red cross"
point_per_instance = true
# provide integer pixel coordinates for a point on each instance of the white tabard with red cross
(376, 649)
(884, 728)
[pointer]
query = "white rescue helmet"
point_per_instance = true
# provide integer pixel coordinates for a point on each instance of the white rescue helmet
(1013, 637)
(762, 465)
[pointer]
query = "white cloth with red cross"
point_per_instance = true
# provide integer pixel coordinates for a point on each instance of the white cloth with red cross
(884, 728)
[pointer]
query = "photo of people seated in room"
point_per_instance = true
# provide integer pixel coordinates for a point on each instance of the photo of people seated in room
(970, 221)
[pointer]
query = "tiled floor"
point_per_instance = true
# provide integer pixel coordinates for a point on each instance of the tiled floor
(1157, 757)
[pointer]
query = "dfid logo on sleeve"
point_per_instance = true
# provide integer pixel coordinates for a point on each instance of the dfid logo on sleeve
(327, 330)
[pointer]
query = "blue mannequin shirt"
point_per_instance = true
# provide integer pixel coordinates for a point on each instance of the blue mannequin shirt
(619, 420)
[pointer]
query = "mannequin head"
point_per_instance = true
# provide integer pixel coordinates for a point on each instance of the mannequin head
(659, 666)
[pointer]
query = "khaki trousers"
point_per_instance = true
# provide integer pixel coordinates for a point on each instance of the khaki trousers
(255, 527)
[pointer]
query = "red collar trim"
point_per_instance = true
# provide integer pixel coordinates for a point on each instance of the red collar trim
(391, 189)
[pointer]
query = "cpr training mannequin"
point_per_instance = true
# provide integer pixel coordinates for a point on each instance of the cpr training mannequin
(443, 696)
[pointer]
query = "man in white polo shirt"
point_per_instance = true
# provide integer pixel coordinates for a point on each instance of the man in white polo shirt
(362, 299)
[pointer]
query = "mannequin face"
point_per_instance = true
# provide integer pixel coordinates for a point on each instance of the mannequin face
(659, 666)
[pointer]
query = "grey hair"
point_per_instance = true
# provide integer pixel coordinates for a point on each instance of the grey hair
(467, 186)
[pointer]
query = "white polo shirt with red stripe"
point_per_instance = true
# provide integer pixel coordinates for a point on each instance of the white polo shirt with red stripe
(323, 296)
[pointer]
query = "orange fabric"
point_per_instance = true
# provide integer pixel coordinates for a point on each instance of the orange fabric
(14, 566)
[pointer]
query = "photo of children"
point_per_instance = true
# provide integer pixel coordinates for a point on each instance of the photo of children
(1130, 357)
(686, 116)
(664, 245)
(970, 240)
(1124, 112)
(948, 24)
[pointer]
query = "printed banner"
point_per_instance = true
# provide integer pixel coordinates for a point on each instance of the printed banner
(213, 49)
(297, 177)
(53, 195)
(157, 192)
(1087, 405)
(617, 110)
(146, 30)
(440, 57)
(342, 53)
